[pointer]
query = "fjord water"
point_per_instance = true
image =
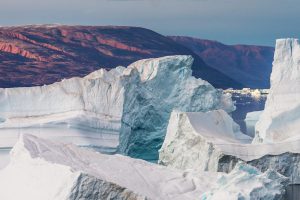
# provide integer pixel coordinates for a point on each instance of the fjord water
(246, 103)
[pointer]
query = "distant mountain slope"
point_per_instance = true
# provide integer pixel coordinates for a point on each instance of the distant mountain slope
(36, 55)
(248, 64)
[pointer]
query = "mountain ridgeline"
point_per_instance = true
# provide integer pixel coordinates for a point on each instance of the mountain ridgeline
(247, 64)
(43, 54)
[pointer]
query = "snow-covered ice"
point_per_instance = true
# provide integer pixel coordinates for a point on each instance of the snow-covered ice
(202, 141)
(85, 111)
(281, 118)
(198, 140)
(41, 169)
(211, 141)
(240, 182)
(134, 109)
(251, 120)
(164, 84)
(135, 101)
(4, 157)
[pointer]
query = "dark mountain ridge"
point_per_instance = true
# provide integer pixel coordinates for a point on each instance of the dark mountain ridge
(250, 65)
(37, 55)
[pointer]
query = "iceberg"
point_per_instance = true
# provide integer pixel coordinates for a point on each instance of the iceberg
(85, 111)
(124, 108)
(4, 157)
(268, 186)
(212, 142)
(43, 169)
(199, 140)
(251, 120)
(203, 141)
(281, 118)
(164, 84)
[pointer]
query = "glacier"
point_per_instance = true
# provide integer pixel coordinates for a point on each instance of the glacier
(211, 141)
(43, 169)
(124, 109)
(281, 118)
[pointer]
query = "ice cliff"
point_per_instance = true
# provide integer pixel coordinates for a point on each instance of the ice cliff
(197, 140)
(281, 118)
(251, 120)
(135, 101)
(211, 141)
(85, 111)
(163, 84)
(41, 169)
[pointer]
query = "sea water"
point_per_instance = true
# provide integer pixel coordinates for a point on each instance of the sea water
(246, 103)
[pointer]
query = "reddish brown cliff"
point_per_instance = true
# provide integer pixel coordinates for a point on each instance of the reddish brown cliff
(37, 55)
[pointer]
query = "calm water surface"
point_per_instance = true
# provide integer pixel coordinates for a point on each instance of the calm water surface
(244, 104)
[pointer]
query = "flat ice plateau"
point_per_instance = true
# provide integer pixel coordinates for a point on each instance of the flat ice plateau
(41, 169)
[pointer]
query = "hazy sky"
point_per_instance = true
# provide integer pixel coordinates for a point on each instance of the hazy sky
(228, 21)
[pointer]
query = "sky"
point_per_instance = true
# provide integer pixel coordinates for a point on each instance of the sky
(228, 21)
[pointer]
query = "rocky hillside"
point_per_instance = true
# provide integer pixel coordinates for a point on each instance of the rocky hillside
(248, 64)
(37, 55)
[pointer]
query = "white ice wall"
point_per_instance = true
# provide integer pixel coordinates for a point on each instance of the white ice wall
(281, 118)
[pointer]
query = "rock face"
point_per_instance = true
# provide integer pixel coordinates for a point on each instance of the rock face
(211, 142)
(136, 101)
(41, 169)
(38, 55)
(281, 117)
(248, 64)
